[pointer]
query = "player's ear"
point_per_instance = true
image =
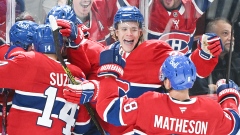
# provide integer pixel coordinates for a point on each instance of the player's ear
(167, 84)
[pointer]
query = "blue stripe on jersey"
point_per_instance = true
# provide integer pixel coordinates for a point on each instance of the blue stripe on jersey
(136, 91)
(203, 4)
(88, 129)
(112, 113)
(237, 122)
(35, 102)
(152, 36)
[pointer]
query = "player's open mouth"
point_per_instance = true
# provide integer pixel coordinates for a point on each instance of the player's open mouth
(85, 3)
(128, 42)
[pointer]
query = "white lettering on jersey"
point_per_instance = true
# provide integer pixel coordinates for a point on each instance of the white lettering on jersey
(58, 79)
(181, 125)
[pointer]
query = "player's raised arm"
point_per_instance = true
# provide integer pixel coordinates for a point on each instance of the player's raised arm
(208, 50)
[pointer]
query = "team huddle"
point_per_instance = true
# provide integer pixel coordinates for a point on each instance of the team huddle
(132, 86)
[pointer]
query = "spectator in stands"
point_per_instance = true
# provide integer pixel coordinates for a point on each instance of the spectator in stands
(179, 24)
(97, 15)
(222, 27)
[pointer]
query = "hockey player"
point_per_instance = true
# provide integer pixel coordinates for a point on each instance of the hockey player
(38, 105)
(143, 59)
(97, 15)
(82, 52)
(21, 39)
(173, 113)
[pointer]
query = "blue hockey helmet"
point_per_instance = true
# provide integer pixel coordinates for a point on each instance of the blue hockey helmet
(180, 71)
(128, 13)
(44, 41)
(22, 33)
(222, 84)
(63, 12)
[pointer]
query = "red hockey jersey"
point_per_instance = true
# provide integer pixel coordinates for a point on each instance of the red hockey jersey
(177, 27)
(3, 55)
(142, 71)
(156, 113)
(38, 104)
(86, 57)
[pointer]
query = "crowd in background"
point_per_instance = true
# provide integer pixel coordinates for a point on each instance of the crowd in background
(186, 24)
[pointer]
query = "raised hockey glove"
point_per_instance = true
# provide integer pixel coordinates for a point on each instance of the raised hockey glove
(227, 91)
(111, 64)
(81, 93)
(210, 45)
(71, 31)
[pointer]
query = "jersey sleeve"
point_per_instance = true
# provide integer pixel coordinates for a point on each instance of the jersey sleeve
(16, 71)
(201, 5)
(119, 111)
(204, 67)
(229, 122)
(86, 57)
(79, 58)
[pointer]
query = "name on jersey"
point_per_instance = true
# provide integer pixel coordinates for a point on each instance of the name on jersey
(181, 125)
(59, 79)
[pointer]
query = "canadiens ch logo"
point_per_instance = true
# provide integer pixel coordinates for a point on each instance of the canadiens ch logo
(178, 41)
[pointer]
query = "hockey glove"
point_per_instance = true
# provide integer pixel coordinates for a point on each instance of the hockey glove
(71, 31)
(210, 45)
(227, 91)
(111, 64)
(82, 93)
(84, 30)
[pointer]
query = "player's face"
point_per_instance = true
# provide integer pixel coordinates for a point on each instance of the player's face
(171, 4)
(82, 7)
(128, 34)
(223, 30)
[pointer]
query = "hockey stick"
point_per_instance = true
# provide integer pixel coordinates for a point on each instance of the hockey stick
(55, 30)
(233, 21)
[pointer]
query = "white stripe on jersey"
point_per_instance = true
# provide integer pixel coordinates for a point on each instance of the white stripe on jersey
(38, 95)
(145, 85)
(83, 123)
(32, 110)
